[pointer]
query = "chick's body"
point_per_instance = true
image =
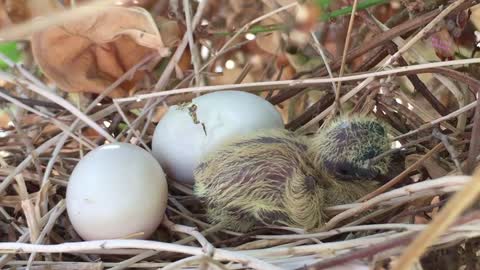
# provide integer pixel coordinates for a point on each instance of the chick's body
(267, 178)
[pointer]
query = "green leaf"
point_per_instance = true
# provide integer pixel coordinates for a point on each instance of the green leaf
(324, 4)
(137, 112)
(122, 126)
(162, 65)
(348, 10)
(256, 29)
(10, 50)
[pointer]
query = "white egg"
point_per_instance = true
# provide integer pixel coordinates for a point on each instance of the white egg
(115, 191)
(186, 133)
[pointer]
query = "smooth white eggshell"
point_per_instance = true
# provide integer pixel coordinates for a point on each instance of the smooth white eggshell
(178, 143)
(116, 190)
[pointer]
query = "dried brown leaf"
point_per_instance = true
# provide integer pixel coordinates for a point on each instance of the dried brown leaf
(4, 119)
(90, 133)
(70, 266)
(443, 44)
(229, 76)
(35, 8)
(32, 220)
(17, 11)
(475, 16)
(242, 12)
(90, 55)
(159, 113)
(4, 17)
(435, 170)
(270, 43)
(169, 30)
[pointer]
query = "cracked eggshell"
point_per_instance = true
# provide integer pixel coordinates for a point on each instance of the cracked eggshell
(179, 143)
(116, 190)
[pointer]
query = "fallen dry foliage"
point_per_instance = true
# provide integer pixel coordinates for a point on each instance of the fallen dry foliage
(16, 11)
(95, 72)
(90, 54)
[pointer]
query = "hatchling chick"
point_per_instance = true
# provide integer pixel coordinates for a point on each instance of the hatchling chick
(269, 178)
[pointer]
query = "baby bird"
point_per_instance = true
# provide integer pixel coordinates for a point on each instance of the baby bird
(273, 177)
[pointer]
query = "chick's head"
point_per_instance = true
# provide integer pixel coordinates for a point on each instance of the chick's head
(345, 148)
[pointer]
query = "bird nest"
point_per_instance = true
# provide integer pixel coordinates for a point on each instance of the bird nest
(423, 214)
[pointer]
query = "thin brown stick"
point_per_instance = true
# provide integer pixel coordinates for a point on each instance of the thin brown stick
(246, 69)
(321, 51)
(72, 247)
(379, 40)
(38, 87)
(438, 120)
(449, 147)
(32, 102)
(289, 84)
(162, 82)
(397, 196)
(474, 149)
(424, 31)
(26, 236)
(356, 52)
(344, 56)
(313, 110)
(362, 253)
(457, 204)
(23, 30)
(424, 91)
(191, 43)
(404, 174)
(48, 227)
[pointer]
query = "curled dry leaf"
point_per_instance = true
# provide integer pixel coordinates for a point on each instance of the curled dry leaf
(229, 76)
(139, 3)
(270, 43)
(17, 11)
(88, 55)
(435, 170)
(443, 44)
(242, 12)
(306, 16)
(4, 119)
(475, 16)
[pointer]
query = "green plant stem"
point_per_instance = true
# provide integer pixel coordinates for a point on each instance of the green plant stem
(256, 29)
(347, 10)
(9, 49)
